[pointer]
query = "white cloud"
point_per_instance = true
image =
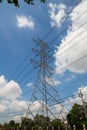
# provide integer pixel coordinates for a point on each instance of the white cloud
(52, 81)
(18, 105)
(57, 14)
(59, 111)
(23, 21)
(10, 92)
(29, 84)
(2, 82)
(3, 108)
(17, 119)
(35, 106)
(73, 47)
(70, 78)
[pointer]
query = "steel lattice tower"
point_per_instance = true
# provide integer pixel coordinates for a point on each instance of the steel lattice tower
(45, 99)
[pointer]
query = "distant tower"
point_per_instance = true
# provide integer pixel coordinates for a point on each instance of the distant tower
(45, 99)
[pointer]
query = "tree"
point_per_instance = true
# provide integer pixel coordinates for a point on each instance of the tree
(12, 124)
(26, 122)
(16, 2)
(56, 123)
(41, 121)
(0, 125)
(76, 116)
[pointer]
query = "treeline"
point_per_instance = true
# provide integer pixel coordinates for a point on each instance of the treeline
(76, 116)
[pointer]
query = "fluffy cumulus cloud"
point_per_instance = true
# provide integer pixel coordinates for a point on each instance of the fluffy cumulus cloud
(57, 14)
(18, 105)
(24, 22)
(71, 54)
(10, 92)
(3, 108)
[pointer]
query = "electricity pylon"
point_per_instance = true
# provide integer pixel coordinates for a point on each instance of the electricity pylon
(45, 99)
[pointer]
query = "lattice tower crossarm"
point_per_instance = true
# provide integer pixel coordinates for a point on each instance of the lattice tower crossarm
(44, 93)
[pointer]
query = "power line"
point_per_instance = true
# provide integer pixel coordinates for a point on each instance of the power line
(73, 45)
(6, 96)
(21, 64)
(65, 29)
(51, 30)
(41, 87)
(80, 58)
(59, 54)
(67, 65)
(18, 112)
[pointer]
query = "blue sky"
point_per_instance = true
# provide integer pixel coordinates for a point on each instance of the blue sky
(18, 26)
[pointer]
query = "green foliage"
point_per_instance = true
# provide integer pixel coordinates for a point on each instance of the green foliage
(12, 123)
(40, 120)
(37, 122)
(25, 121)
(16, 2)
(56, 123)
(76, 116)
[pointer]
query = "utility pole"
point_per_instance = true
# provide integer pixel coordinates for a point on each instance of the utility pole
(81, 96)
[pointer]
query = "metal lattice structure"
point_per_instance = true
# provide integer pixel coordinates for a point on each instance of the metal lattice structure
(45, 99)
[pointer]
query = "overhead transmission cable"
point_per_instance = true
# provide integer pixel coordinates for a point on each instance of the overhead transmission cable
(51, 30)
(67, 65)
(18, 112)
(6, 96)
(65, 29)
(59, 54)
(20, 73)
(75, 61)
(72, 46)
(21, 64)
(13, 90)
(30, 52)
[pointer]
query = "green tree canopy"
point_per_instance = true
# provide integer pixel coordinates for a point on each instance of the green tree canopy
(40, 120)
(25, 121)
(12, 123)
(76, 116)
(16, 2)
(56, 123)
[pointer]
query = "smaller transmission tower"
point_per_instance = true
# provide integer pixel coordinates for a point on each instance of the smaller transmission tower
(45, 99)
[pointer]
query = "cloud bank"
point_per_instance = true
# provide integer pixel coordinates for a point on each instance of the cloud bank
(71, 54)
(10, 92)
